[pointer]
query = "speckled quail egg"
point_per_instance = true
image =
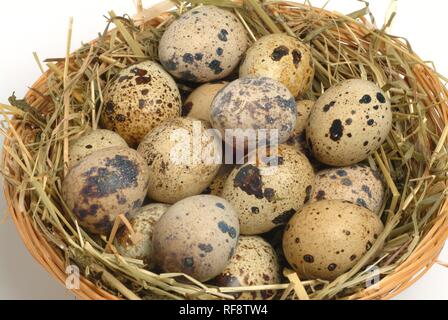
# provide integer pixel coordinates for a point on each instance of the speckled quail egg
(93, 141)
(105, 184)
(199, 103)
(196, 236)
(217, 184)
(254, 103)
(140, 98)
(254, 264)
(183, 158)
(298, 137)
(349, 122)
(283, 58)
(327, 238)
(267, 193)
(204, 44)
(139, 244)
(358, 184)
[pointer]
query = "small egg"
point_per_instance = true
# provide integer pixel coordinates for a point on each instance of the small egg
(266, 195)
(105, 184)
(298, 137)
(183, 158)
(283, 58)
(204, 44)
(217, 185)
(358, 184)
(253, 103)
(142, 222)
(199, 103)
(93, 141)
(196, 236)
(349, 122)
(141, 97)
(255, 263)
(327, 238)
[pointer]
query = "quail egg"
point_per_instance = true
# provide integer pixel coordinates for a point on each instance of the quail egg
(105, 184)
(358, 184)
(196, 236)
(204, 44)
(349, 122)
(254, 103)
(270, 191)
(183, 156)
(217, 185)
(283, 58)
(93, 141)
(138, 245)
(141, 97)
(255, 263)
(199, 103)
(327, 238)
(298, 137)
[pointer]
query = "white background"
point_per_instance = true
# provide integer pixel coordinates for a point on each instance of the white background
(40, 26)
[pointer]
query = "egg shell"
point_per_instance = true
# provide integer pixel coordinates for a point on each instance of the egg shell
(349, 122)
(196, 236)
(105, 184)
(327, 238)
(266, 196)
(199, 103)
(358, 184)
(142, 222)
(255, 263)
(141, 97)
(204, 44)
(298, 137)
(217, 184)
(173, 179)
(93, 141)
(283, 58)
(255, 103)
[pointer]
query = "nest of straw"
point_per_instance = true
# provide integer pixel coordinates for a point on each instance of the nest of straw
(67, 100)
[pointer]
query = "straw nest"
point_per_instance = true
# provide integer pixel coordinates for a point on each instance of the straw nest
(67, 100)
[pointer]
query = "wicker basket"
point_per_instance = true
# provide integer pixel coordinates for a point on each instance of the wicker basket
(52, 257)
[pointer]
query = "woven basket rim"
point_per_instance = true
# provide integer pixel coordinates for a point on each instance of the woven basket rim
(411, 270)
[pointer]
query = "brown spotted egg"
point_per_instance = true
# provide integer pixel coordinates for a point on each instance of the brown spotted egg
(217, 185)
(196, 236)
(255, 263)
(254, 103)
(269, 192)
(141, 97)
(349, 122)
(93, 141)
(199, 103)
(358, 184)
(138, 244)
(105, 184)
(327, 238)
(204, 44)
(298, 137)
(283, 58)
(183, 157)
